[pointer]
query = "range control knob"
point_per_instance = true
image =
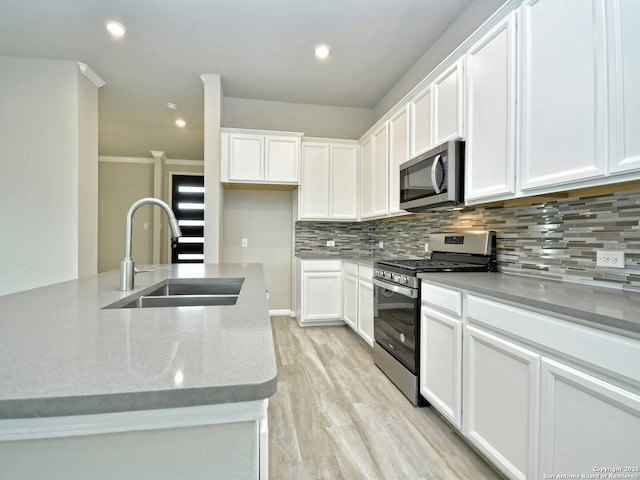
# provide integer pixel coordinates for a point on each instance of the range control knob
(403, 280)
(396, 278)
(387, 275)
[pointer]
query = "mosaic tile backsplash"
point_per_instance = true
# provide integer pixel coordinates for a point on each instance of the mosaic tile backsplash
(555, 239)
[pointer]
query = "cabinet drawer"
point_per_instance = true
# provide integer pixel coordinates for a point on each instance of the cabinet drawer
(443, 298)
(597, 348)
(350, 268)
(322, 265)
(366, 273)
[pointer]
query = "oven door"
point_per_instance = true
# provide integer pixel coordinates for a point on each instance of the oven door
(396, 320)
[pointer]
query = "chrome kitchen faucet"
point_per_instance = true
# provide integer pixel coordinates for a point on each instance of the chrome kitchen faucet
(127, 266)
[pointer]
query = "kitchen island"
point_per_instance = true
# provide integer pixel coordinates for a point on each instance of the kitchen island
(177, 392)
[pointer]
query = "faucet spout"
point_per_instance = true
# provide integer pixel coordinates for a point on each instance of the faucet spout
(127, 266)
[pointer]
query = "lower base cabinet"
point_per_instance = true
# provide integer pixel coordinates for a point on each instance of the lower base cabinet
(319, 292)
(358, 299)
(501, 391)
(365, 308)
(587, 424)
(441, 363)
(541, 397)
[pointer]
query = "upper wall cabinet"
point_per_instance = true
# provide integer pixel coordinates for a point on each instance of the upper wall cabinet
(421, 132)
(398, 154)
(381, 171)
(448, 104)
(259, 157)
(490, 152)
(437, 112)
(366, 179)
(624, 61)
(329, 181)
(374, 174)
(564, 116)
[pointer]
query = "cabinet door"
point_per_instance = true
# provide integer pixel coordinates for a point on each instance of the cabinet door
(314, 188)
(564, 99)
(343, 186)
(366, 180)
(365, 311)
(448, 104)
(381, 171)
(281, 160)
(351, 301)
(322, 296)
(585, 423)
(502, 390)
(420, 126)
(398, 154)
(246, 154)
(441, 363)
(624, 38)
(490, 150)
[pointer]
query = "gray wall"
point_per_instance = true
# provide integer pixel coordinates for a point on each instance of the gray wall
(466, 23)
(265, 218)
(312, 120)
(41, 109)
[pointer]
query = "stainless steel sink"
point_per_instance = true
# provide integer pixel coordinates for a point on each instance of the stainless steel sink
(184, 292)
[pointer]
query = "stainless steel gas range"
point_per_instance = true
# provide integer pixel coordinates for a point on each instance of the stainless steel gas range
(396, 350)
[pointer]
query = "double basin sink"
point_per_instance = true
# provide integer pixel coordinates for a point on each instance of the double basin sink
(184, 292)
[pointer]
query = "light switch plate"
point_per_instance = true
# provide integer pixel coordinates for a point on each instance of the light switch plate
(245, 242)
(380, 244)
(331, 243)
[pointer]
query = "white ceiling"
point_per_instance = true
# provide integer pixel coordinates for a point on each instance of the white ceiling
(263, 49)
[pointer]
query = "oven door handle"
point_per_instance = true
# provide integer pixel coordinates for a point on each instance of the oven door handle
(406, 291)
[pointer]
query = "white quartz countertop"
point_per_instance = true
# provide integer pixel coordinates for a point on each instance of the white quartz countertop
(604, 308)
(61, 353)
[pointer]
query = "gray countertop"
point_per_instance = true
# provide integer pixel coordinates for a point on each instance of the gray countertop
(605, 308)
(361, 259)
(62, 354)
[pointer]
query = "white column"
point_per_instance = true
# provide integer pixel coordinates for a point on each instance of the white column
(159, 160)
(213, 197)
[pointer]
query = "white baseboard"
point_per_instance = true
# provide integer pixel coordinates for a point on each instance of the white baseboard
(282, 312)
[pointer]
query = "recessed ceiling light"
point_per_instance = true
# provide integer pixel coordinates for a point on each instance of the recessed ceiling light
(180, 122)
(116, 28)
(322, 51)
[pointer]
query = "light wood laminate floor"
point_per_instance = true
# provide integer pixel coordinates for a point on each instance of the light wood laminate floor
(337, 416)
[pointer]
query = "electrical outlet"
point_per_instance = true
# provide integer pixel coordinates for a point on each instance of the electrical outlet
(331, 243)
(426, 247)
(610, 258)
(245, 242)
(380, 245)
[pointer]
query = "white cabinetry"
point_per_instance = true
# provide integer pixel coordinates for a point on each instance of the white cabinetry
(319, 295)
(441, 351)
(490, 150)
(448, 104)
(380, 180)
(624, 60)
(501, 401)
(366, 179)
(421, 132)
(586, 422)
(259, 157)
(437, 111)
(350, 293)
(365, 304)
(329, 181)
(358, 299)
(398, 154)
(563, 93)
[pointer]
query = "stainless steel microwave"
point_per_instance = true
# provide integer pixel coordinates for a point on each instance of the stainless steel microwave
(433, 179)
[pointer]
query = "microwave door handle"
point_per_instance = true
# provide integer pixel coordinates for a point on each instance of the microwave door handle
(434, 180)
